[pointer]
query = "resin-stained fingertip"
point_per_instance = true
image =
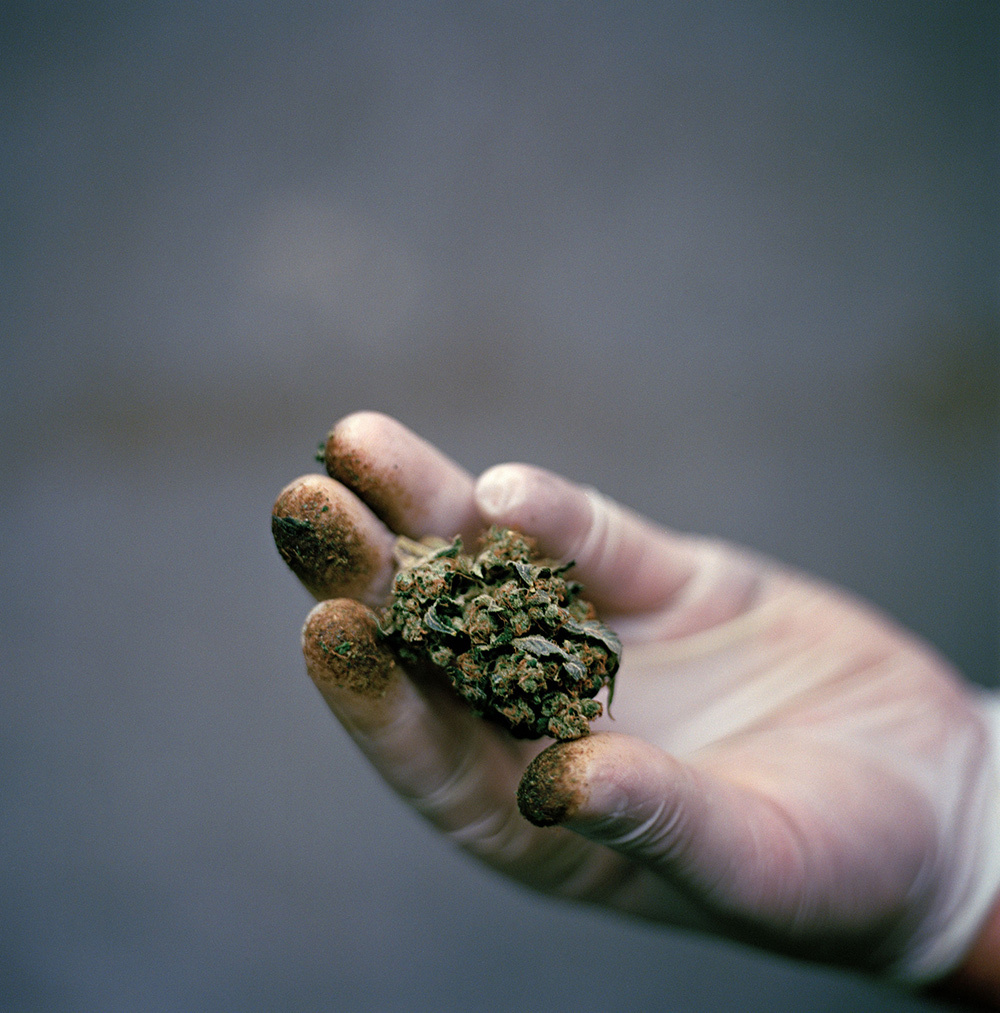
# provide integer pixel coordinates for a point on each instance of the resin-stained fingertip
(406, 481)
(552, 789)
(355, 455)
(331, 542)
(342, 650)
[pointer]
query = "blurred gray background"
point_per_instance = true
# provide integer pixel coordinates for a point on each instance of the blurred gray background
(736, 264)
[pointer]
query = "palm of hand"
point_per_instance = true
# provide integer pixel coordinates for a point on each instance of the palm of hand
(815, 739)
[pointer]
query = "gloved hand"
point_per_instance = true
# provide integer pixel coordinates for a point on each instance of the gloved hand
(784, 766)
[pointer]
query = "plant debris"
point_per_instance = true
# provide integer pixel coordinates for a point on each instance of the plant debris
(510, 632)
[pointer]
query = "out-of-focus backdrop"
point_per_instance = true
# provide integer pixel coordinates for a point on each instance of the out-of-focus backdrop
(734, 263)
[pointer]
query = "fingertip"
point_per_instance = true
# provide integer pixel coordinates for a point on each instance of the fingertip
(343, 652)
(406, 481)
(627, 563)
(352, 457)
(535, 502)
(553, 789)
(331, 541)
(500, 490)
(599, 784)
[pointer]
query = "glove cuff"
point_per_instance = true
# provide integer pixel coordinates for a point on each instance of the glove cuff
(950, 934)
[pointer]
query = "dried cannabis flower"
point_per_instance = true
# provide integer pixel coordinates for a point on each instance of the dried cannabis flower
(510, 632)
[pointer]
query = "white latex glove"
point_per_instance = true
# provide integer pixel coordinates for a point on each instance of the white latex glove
(784, 765)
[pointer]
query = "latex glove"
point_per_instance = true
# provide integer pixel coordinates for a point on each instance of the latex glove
(785, 766)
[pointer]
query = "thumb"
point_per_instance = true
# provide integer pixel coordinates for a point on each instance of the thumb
(727, 846)
(621, 791)
(829, 866)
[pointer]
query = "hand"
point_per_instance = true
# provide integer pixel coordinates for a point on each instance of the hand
(784, 765)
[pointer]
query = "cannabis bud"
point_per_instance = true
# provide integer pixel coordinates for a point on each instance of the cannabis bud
(512, 634)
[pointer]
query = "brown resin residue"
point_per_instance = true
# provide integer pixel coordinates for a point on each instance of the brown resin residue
(319, 541)
(342, 650)
(550, 791)
(383, 491)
